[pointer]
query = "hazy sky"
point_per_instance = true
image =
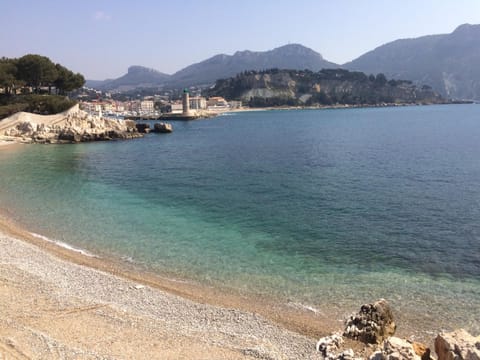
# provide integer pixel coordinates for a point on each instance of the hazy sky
(101, 38)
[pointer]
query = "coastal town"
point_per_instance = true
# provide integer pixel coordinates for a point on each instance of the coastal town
(156, 106)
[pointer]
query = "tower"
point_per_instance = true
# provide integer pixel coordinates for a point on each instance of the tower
(186, 103)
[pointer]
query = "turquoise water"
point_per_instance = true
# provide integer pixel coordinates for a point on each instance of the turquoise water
(326, 208)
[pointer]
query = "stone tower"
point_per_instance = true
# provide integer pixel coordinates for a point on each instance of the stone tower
(186, 103)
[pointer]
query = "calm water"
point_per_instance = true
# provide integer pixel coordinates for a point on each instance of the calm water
(328, 207)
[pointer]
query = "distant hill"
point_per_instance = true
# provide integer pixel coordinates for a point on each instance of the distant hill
(292, 56)
(205, 73)
(449, 63)
(326, 87)
(137, 76)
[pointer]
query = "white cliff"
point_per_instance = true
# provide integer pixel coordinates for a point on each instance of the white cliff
(73, 125)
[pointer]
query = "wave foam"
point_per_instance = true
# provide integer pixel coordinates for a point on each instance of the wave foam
(64, 245)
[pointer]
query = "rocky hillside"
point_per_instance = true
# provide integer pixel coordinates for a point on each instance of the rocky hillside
(326, 87)
(293, 56)
(448, 63)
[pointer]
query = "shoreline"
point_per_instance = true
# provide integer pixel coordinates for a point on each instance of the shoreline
(137, 293)
(295, 316)
(37, 261)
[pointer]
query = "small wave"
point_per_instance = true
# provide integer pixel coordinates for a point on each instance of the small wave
(301, 306)
(64, 245)
(128, 259)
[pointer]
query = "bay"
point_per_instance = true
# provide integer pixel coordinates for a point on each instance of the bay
(319, 207)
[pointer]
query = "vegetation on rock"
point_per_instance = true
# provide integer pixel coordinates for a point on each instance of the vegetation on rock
(34, 83)
(276, 87)
(34, 103)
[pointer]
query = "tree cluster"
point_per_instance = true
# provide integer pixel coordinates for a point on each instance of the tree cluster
(37, 72)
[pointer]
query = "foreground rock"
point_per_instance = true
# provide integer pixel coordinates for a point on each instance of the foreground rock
(457, 345)
(396, 349)
(370, 333)
(71, 126)
(373, 323)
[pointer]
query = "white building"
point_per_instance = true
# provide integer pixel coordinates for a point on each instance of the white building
(177, 108)
(146, 106)
(198, 103)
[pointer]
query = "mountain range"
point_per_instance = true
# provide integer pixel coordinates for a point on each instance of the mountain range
(205, 73)
(448, 63)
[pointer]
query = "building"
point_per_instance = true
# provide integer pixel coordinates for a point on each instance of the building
(177, 108)
(147, 106)
(217, 103)
(235, 104)
(198, 103)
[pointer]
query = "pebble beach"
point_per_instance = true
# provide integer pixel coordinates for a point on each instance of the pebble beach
(54, 308)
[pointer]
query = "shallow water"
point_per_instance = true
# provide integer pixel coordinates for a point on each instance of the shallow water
(319, 207)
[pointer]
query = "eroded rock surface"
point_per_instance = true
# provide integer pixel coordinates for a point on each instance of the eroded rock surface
(457, 345)
(373, 323)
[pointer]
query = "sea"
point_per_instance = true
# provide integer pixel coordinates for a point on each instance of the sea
(327, 208)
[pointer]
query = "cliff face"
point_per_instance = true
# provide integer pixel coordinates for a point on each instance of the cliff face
(70, 126)
(326, 87)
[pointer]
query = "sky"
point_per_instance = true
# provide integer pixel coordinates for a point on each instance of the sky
(102, 38)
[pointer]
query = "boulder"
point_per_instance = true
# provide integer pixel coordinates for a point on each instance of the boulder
(162, 128)
(395, 349)
(328, 345)
(421, 350)
(143, 128)
(373, 323)
(457, 345)
(330, 348)
(398, 349)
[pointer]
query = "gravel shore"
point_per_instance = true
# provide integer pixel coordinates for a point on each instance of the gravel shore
(57, 309)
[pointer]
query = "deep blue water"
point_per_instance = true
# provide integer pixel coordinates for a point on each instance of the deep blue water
(314, 206)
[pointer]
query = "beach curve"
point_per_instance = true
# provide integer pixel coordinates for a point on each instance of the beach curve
(57, 308)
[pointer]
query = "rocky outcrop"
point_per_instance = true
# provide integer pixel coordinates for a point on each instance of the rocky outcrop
(329, 344)
(327, 87)
(71, 126)
(373, 323)
(457, 345)
(143, 128)
(162, 128)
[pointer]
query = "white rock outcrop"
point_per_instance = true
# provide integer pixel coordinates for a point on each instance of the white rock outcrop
(395, 348)
(73, 125)
(457, 345)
